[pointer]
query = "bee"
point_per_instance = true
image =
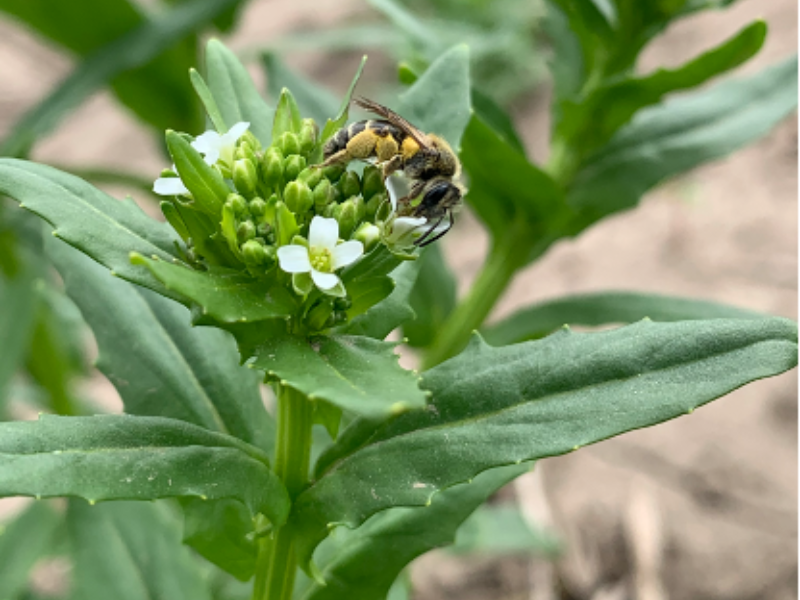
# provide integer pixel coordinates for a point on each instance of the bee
(397, 145)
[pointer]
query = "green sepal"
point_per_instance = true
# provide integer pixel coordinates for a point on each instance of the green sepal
(302, 283)
(285, 223)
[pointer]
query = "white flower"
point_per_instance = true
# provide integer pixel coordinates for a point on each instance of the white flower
(170, 186)
(215, 146)
(323, 255)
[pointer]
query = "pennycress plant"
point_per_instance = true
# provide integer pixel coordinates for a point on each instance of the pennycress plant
(272, 268)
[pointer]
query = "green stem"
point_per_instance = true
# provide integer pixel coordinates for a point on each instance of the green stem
(276, 565)
(505, 258)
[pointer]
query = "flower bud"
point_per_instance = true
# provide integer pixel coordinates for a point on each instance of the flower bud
(298, 197)
(292, 167)
(272, 168)
(253, 253)
(245, 231)
(237, 204)
(333, 211)
(347, 218)
(286, 224)
(258, 207)
(245, 178)
(251, 140)
(342, 303)
(289, 143)
(323, 196)
(245, 150)
(271, 256)
(368, 234)
(168, 173)
(374, 204)
(308, 136)
(361, 209)
(349, 184)
(333, 172)
(371, 182)
(311, 176)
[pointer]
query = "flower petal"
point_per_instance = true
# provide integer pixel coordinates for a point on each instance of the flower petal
(169, 186)
(294, 259)
(324, 281)
(235, 132)
(391, 188)
(323, 233)
(346, 253)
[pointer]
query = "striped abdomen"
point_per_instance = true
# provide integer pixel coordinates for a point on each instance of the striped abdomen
(380, 128)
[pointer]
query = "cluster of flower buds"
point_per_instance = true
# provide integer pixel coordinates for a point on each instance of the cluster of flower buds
(273, 211)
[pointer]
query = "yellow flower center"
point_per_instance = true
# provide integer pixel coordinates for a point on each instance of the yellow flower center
(320, 259)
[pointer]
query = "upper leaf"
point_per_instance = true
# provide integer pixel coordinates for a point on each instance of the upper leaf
(83, 216)
(432, 299)
(499, 406)
(677, 136)
(385, 316)
(159, 363)
(361, 564)
(118, 457)
(234, 92)
(605, 308)
(439, 101)
(131, 551)
(355, 373)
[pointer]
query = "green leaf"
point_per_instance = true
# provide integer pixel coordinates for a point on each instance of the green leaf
(567, 64)
(500, 406)
(496, 118)
(605, 308)
(98, 225)
(366, 293)
(131, 551)
(678, 135)
(385, 316)
(235, 93)
(207, 98)
(335, 124)
(314, 101)
(432, 299)
(287, 115)
(19, 302)
(504, 188)
(439, 101)
(120, 457)
(135, 49)
(218, 530)
(500, 530)
(159, 363)
(23, 541)
(589, 123)
(362, 564)
(355, 373)
(227, 296)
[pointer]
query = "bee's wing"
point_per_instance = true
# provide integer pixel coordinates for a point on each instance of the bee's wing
(395, 119)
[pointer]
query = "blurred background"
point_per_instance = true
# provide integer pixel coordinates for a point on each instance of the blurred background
(704, 507)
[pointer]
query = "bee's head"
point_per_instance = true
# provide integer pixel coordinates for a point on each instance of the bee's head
(446, 162)
(439, 195)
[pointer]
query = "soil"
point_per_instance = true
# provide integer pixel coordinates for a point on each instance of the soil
(703, 507)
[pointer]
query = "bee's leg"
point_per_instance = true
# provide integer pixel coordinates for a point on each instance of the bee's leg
(342, 156)
(422, 242)
(390, 166)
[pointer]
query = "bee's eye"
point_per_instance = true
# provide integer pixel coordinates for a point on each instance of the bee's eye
(436, 193)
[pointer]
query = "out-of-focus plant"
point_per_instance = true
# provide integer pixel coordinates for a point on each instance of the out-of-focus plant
(301, 273)
(507, 55)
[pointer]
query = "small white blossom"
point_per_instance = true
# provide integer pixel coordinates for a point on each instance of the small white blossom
(323, 256)
(216, 147)
(170, 186)
(213, 147)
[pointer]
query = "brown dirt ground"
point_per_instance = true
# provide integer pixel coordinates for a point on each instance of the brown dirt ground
(699, 508)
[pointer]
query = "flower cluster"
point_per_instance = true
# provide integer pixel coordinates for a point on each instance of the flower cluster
(274, 212)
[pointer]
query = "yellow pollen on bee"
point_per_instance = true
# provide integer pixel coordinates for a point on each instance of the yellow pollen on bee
(320, 259)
